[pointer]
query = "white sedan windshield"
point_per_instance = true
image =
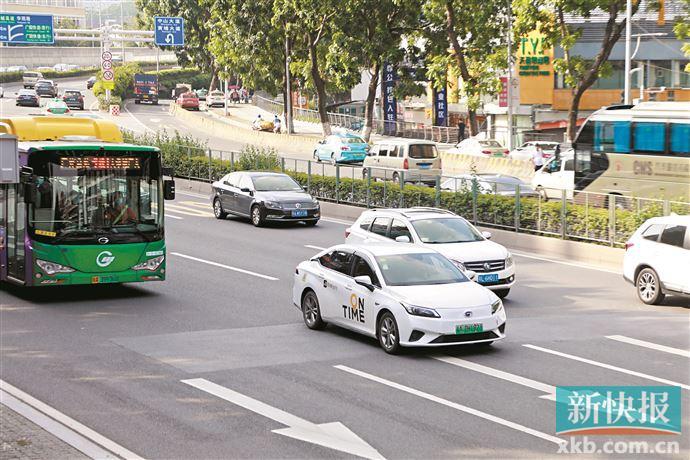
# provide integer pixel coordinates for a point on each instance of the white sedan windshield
(419, 269)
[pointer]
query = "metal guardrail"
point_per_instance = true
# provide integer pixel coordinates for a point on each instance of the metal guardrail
(406, 129)
(586, 216)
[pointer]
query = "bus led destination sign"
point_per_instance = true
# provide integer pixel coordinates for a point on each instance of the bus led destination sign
(100, 162)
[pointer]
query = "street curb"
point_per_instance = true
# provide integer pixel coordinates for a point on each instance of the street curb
(222, 129)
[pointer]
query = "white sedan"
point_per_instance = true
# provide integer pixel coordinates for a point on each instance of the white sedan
(403, 295)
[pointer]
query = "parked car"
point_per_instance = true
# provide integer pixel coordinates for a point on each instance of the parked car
(498, 184)
(451, 235)
(57, 107)
(480, 147)
(29, 79)
(73, 98)
(263, 196)
(27, 97)
(341, 148)
(657, 258)
(90, 82)
(62, 67)
(17, 68)
(215, 98)
(46, 88)
(524, 152)
(416, 160)
(557, 174)
(188, 100)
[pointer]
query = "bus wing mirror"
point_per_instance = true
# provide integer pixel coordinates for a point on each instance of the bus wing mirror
(168, 171)
(169, 189)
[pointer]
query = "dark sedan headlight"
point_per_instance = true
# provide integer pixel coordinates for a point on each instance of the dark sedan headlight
(273, 205)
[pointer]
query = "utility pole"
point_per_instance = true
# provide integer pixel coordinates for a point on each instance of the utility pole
(289, 126)
(510, 76)
(628, 36)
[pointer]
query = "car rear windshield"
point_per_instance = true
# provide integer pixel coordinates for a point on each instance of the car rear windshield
(419, 269)
(353, 140)
(30, 74)
(423, 151)
(445, 231)
(72, 93)
(275, 183)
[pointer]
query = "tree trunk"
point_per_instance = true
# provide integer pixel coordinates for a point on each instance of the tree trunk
(474, 123)
(371, 99)
(214, 80)
(573, 111)
(320, 87)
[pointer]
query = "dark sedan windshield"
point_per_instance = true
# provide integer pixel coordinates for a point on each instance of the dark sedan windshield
(275, 183)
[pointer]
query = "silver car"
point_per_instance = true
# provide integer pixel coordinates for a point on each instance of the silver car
(498, 184)
(262, 197)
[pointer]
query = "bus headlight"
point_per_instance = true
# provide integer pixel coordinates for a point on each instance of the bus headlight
(51, 268)
(150, 265)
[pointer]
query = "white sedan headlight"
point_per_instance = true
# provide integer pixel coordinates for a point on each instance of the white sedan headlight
(51, 268)
(150, 265)
(420, 311)
(496, 306)
(509, 260)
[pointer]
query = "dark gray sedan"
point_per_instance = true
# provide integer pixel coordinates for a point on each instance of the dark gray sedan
(264, 196)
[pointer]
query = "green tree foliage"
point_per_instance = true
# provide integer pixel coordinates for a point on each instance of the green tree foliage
(550, 17)
(467, 37)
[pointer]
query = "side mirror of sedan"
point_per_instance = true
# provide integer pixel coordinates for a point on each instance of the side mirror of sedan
(365, 281)
(487, 235)
(472, 275)
(402, 239)
(246, 190)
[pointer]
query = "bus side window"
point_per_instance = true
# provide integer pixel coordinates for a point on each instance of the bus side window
(612, 136)
(680, 138)
(569, 165)
(650, 137)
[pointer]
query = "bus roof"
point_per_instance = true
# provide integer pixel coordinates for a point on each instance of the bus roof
(77, 144)
(645, 110)
(52, 128)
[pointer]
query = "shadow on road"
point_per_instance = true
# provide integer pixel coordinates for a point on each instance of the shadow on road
(82, 293)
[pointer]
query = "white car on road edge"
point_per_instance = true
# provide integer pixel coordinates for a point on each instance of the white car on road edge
(441, 231)
(657, 258)
(403, 295)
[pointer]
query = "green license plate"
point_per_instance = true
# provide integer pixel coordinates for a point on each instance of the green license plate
(469, 328)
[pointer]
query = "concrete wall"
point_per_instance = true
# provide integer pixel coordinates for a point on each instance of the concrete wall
(37, 56)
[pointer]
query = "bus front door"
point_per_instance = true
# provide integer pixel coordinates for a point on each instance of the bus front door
(15, 231)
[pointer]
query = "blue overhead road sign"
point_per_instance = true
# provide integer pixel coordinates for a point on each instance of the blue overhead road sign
(26, 28)
(169, 31)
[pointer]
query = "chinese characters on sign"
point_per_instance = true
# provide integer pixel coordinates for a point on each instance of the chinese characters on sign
(534, 58)
(26, 28)
(503, 95)
(618, 410)
(440, 107)
(390, 106)
(169, 31)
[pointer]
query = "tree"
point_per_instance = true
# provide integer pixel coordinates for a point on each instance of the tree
(550, 17)
(467, 38)
(196, 29)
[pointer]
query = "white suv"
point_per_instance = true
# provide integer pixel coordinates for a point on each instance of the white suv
(447, 233)
(657, 258)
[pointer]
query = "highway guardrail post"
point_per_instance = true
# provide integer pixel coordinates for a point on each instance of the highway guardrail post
(667, 207)
(308, 175)
(437, 197)
(517, 207)
(474, 201)
(564, 211)
(282, 164)
(368, 187)
(337, 183)
(612, 219)
(210, 166)
(401, 203)
(232, 161)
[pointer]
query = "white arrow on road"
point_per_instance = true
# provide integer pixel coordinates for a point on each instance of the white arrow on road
(332, 435)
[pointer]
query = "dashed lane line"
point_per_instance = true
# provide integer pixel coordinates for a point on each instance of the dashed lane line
(137, 120)
(227, 267)
(570, 264)
(608, 366)
(453, 405)
(170, 216)
(653, 346)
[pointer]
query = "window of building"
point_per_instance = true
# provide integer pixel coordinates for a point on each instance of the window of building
(684, 79)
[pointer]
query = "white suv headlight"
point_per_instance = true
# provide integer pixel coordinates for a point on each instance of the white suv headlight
(509, 260)
(150, 265)
(420, 311)
(496, 306)
(51, 268)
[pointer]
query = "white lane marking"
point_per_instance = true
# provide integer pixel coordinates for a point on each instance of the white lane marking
(311, 246)
(227, 267)
(653, 346)
(197, 195)
(550, 390)
(570, 264)
(608, 366)
(451, 404)
(337, 221)
(332, 435)
(187, 211)
(62, 419)
(137, 120)
(155, 120)
(170, 216)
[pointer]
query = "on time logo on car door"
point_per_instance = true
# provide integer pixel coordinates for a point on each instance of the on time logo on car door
(354, 311)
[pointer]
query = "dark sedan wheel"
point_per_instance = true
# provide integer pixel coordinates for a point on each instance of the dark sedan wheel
(311, 312)
(218, 210)
(257, 216)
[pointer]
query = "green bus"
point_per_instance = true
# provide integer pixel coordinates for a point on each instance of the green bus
(641, 151)
(78, 206)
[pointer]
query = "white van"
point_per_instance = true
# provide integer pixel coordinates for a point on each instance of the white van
(29, 79)
(415, 160)
(557, 174)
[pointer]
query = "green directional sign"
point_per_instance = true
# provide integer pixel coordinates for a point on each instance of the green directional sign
(26, 28)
